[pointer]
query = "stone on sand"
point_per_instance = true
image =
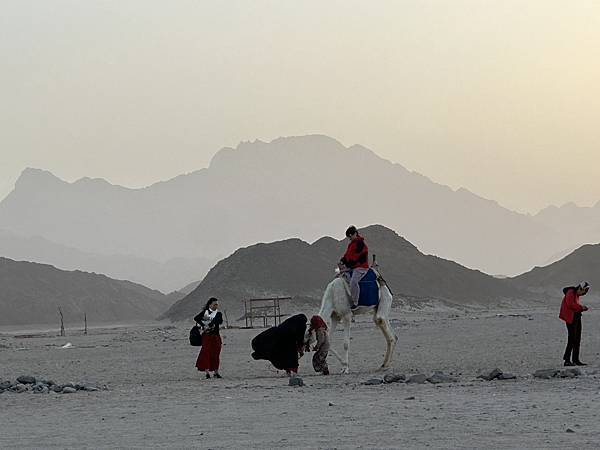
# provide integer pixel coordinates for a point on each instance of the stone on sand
(419, 379)
(492, 375)
(507, 376)
(393, 378)
(296, 381)
(26, 379)
(545, 373)
(40, 389)
(69, 390)
(18, 388)
(440, 377)
(373, 382)
(569, 373)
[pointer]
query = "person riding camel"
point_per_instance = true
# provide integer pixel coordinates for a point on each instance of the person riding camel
(355, 263)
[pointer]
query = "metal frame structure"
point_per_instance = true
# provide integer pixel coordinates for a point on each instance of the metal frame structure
(263, 308)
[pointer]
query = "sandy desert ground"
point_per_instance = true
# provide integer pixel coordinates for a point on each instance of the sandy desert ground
(156, 398)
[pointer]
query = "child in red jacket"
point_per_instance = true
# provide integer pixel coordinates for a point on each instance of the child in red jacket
(570, 312)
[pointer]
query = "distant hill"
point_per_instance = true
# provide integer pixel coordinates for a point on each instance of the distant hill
(31, 293)
(296, 268)
(304, 187)
(164, 276)
(581, 265)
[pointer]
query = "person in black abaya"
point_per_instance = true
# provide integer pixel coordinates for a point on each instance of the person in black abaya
(283, 344)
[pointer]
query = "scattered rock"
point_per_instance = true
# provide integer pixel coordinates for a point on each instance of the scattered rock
(40, 389)
(393, 378)
(569, 373)
(569, 430)
(489, 376)
(296, 381)
(331, 404)
(545, 373)
(29, 384)
(441, 377)
(506, 376)
(419, 379)
(373, 381)
(26, 379)
(409, 398)
(19, 388)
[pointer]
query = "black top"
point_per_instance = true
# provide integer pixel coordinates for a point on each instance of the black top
(280, 344)
(212, 327)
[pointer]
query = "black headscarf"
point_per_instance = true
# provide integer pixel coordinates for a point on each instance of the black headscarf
(280, 344)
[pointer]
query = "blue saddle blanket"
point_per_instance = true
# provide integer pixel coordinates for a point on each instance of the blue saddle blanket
(369, 289)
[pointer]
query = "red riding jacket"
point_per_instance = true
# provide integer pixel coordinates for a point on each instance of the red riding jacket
(357, 254)
(570, 305)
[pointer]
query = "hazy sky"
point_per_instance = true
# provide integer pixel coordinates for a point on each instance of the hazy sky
(501, 97)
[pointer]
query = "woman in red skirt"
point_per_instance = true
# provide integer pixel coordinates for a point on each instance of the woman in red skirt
(209, 319)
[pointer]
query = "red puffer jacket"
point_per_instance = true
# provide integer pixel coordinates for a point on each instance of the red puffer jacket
(570, 305)
(357, 254)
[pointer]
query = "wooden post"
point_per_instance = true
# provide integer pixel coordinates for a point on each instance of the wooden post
(62, 323)
(85, 323)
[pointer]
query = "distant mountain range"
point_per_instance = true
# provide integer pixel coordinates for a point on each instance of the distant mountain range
(581, 265)
(301, 270)
(31, 293)
(165, 276)
(291, 187)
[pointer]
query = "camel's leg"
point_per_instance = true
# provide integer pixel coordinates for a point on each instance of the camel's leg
(334, 323)
(345, 368)
(390, 339)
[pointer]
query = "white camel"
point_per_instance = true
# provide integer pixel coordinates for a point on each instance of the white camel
(335, 308)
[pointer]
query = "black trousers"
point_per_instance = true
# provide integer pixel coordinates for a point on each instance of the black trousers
(574, 340)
